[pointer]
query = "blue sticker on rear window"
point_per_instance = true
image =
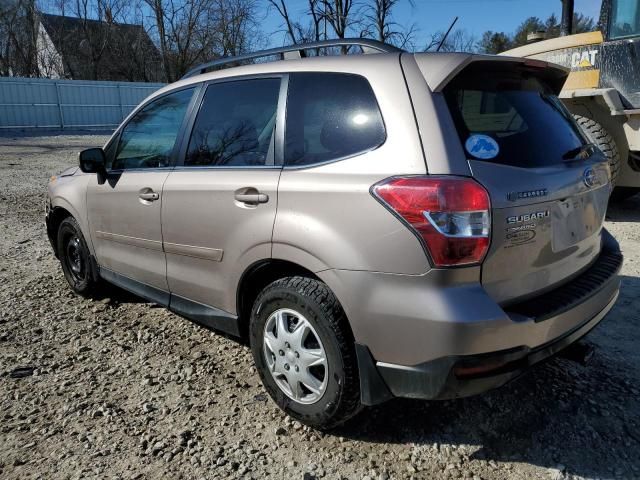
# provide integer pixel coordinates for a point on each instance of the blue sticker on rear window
(482, 146)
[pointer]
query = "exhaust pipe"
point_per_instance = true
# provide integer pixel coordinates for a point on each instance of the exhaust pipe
(567, 18)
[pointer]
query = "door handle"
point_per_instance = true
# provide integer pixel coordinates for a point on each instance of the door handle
(149, 196)
(252, 198)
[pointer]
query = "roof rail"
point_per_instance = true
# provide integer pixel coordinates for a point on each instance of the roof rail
(296, 51)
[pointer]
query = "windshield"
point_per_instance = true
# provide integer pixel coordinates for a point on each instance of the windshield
(625, 19)
(510, 116)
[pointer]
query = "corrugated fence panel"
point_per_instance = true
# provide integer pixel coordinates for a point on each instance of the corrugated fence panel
(42, 103)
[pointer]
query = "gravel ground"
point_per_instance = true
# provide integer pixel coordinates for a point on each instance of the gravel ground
(118, 388)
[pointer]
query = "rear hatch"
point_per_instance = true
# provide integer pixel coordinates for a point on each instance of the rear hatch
(548, 186)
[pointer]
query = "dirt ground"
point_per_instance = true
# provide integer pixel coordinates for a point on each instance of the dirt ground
(123, 389)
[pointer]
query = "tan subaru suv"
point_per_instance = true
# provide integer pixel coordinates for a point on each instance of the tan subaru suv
(374, 225)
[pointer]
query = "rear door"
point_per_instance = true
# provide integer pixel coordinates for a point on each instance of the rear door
(549, 188)
(219, 203)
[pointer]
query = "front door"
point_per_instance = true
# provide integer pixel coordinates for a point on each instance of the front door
(219, 204)
(124, 208)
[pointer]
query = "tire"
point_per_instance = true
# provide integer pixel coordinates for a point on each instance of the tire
(77, 264)
(600, 137)
(310, 303)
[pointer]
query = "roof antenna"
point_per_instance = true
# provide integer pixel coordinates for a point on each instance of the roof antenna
(446, 34)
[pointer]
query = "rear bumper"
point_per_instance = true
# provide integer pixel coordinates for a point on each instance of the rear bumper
(453, 341)
(443, 378)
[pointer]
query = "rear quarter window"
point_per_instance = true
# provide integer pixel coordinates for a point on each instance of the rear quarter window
(330, 116)
(519, 111)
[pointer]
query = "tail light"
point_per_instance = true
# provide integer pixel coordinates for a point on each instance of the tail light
(449, 214)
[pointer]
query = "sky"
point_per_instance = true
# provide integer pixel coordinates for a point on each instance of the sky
(475, 16)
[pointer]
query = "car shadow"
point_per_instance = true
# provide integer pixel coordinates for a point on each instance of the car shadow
(624, 211)
(559, 413)
(115, 296)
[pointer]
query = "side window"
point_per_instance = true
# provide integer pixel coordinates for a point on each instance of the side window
(235, 124)
(625, 19)
(148, 139)
(330, 116)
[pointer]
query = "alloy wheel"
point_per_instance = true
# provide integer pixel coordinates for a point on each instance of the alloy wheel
(295, 356)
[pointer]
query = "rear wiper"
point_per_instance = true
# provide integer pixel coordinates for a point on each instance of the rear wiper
(579, 153)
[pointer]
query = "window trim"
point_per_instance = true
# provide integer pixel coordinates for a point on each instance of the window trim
(276, 147)
(197, 87)
(345, 157)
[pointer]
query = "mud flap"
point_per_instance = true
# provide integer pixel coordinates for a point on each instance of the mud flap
(373, 390)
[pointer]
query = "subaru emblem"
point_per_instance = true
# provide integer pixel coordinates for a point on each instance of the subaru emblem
(589, 177)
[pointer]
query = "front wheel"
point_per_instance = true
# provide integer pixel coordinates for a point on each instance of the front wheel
(77, 265)
(304, 352)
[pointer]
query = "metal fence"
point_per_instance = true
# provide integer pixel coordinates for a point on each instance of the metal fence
(29, 103)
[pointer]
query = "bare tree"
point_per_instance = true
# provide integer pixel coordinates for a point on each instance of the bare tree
(144, 62)
(193, 31)
(283, 11)
(317, 18)
(235, 28)
(181, 33)
(18, 38)
(339, 14)
(457, 41)
(296, 31)
(98, 19)
(187, 40)
(381, 26)
(147, 62)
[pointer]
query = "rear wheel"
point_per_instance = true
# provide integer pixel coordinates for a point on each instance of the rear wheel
(304, 352)
(604, 141)
(77, 264)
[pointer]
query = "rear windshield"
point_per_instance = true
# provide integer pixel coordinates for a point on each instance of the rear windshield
(510, 116)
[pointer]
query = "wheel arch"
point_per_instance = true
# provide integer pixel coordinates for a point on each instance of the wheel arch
(69, 203)
(57, 215)
(256, 277)
(54, 219)
(372, 388)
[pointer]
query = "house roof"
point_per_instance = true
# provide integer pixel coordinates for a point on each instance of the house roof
(97, 50)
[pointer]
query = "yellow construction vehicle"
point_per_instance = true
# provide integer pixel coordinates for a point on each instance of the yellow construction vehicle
(603, 88)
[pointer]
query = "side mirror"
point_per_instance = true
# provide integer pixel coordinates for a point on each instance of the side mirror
(92, 160)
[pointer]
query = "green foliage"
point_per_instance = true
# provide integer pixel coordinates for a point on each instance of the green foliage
(496, 42)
